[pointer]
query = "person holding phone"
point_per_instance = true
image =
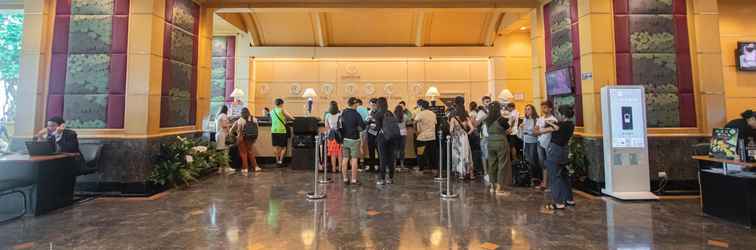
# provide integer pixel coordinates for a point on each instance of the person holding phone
(557, 158)
(530, 143)
(65, 140)
(544, 137)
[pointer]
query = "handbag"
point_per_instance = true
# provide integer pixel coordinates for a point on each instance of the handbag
(232, 136)
(337, 135)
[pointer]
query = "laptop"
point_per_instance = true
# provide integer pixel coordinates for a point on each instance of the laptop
(36, 148)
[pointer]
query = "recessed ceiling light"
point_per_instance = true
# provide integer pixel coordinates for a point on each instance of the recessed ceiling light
(523, 28)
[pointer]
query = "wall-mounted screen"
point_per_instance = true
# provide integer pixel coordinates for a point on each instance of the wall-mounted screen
(746, 56)
(559, 82)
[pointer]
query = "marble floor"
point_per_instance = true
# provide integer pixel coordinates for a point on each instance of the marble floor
(269, 211)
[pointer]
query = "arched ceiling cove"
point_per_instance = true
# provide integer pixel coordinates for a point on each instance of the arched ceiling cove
(368, 27)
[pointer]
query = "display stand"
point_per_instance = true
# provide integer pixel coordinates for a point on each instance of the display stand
(626, 170)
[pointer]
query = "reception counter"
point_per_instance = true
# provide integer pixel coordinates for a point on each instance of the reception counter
(52, 178)
(264, 144)
(728, 189)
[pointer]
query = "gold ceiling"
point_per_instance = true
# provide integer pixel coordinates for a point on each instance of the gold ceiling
(375, 27)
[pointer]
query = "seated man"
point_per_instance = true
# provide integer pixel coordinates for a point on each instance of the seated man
(746, 126)
(66, 140)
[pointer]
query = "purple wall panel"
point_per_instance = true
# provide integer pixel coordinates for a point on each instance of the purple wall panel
(57, 85)
(116, 109)
(60, 35)
(624, 60)
(120, 34)
(54, 105)
(117, 68)
(575, 40)
(168, 102)
(63, 7)
(117, 81)
(121, 7)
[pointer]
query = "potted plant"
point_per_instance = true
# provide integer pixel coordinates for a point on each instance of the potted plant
(184, 161)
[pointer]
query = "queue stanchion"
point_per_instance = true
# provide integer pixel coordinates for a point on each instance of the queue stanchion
(324, 146)
(440, 141)
(316, 195)
(448, 193)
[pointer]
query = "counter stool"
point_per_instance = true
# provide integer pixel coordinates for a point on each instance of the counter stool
(11, 187)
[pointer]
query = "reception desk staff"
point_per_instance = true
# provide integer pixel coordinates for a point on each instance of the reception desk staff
(66, 140)
(746, 126)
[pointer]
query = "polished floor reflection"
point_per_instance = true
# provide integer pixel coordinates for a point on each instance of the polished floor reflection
(269, 211)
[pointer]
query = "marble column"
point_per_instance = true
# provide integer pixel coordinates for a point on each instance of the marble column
(596, 58)
(706, 51)
(204, 81)
(538, 55)
(145, 68)
(244, 80)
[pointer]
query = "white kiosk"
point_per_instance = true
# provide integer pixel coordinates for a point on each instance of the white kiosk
(626, 173)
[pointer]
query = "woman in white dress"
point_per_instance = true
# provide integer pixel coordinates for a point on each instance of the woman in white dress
(460, 126)
(221, 130)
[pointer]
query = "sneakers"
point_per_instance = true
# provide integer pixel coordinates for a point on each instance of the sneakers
(389, 181)
(245, 172)
(380, 183)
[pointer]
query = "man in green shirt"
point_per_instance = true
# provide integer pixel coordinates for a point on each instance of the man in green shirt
(279, 135)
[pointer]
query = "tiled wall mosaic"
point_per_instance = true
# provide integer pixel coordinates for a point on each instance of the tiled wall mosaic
(88, 69)
(563, 49)
(652, 50)
(222, 75)
(179, 91)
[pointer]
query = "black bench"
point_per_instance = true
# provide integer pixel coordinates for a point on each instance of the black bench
(11, 187)
(91, 152)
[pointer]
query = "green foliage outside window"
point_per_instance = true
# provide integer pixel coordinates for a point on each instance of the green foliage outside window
(11, 33)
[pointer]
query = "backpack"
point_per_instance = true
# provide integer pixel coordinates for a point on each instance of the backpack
(390, 127)
(335, 133)
(250, 131)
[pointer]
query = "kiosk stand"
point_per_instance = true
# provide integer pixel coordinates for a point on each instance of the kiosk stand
(623, 109)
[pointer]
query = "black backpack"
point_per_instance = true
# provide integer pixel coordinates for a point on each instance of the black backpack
(390, 126)
(250, 131)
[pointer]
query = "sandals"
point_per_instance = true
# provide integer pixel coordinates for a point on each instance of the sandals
(553, 207)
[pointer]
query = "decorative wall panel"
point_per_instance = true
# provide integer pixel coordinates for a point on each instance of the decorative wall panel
(88, 68)
(222, 75)
(563, 49)
(179, 90)
(651, 39)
